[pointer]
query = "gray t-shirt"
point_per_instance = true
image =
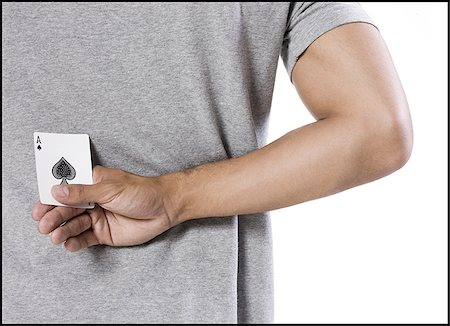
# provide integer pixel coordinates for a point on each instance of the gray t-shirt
(159, 87)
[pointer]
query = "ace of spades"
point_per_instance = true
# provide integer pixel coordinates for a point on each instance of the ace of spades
(62, 159)
(63, 170)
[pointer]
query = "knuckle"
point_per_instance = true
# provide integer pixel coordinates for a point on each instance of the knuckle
(97, 173)
(73, 211)
(67, 229)
(83, 243)
(119, 171)
(79, 223)
(58, 216)
(83, 222)
(79, 192)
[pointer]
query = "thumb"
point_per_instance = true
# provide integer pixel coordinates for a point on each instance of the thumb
(76, 194)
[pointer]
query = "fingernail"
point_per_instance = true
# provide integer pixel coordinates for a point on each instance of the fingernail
(60, 191)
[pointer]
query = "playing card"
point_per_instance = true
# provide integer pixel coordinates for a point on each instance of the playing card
(62, 159)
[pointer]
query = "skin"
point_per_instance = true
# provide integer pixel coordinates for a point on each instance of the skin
(363, 132)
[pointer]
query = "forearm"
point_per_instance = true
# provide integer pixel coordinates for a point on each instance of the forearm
(316, 160)
(363, 132)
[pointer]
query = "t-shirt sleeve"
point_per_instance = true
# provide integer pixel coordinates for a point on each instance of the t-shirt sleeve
(309, 20)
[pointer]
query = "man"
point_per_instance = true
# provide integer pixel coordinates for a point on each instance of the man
(176, 100)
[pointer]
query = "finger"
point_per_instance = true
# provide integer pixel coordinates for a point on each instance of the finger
(39, 210)
(77, 194)
(55, 217)
(84, 240)
(72, 228)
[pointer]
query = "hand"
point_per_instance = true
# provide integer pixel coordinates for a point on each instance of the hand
(130, 210)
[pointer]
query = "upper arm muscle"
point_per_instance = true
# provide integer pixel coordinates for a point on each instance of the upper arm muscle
(349, 71)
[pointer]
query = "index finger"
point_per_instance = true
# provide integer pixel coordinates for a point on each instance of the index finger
(39, 210)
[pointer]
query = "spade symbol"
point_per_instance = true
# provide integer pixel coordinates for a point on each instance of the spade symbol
(39, 147)
(63, 170)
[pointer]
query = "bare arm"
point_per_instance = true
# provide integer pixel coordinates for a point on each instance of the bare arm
(347, 80)
(363, 131)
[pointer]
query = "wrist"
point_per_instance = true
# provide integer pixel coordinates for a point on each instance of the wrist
(175, 197)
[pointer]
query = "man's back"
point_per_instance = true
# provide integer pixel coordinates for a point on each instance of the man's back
(159, 88)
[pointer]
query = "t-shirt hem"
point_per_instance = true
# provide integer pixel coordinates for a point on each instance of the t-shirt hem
(300, 42)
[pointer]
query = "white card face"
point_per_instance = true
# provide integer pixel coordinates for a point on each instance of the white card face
(61, 159)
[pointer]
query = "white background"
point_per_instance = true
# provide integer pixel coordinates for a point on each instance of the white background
(376, 253)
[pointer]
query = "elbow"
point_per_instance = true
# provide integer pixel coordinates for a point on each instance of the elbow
(391, 142)
(401, 141)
